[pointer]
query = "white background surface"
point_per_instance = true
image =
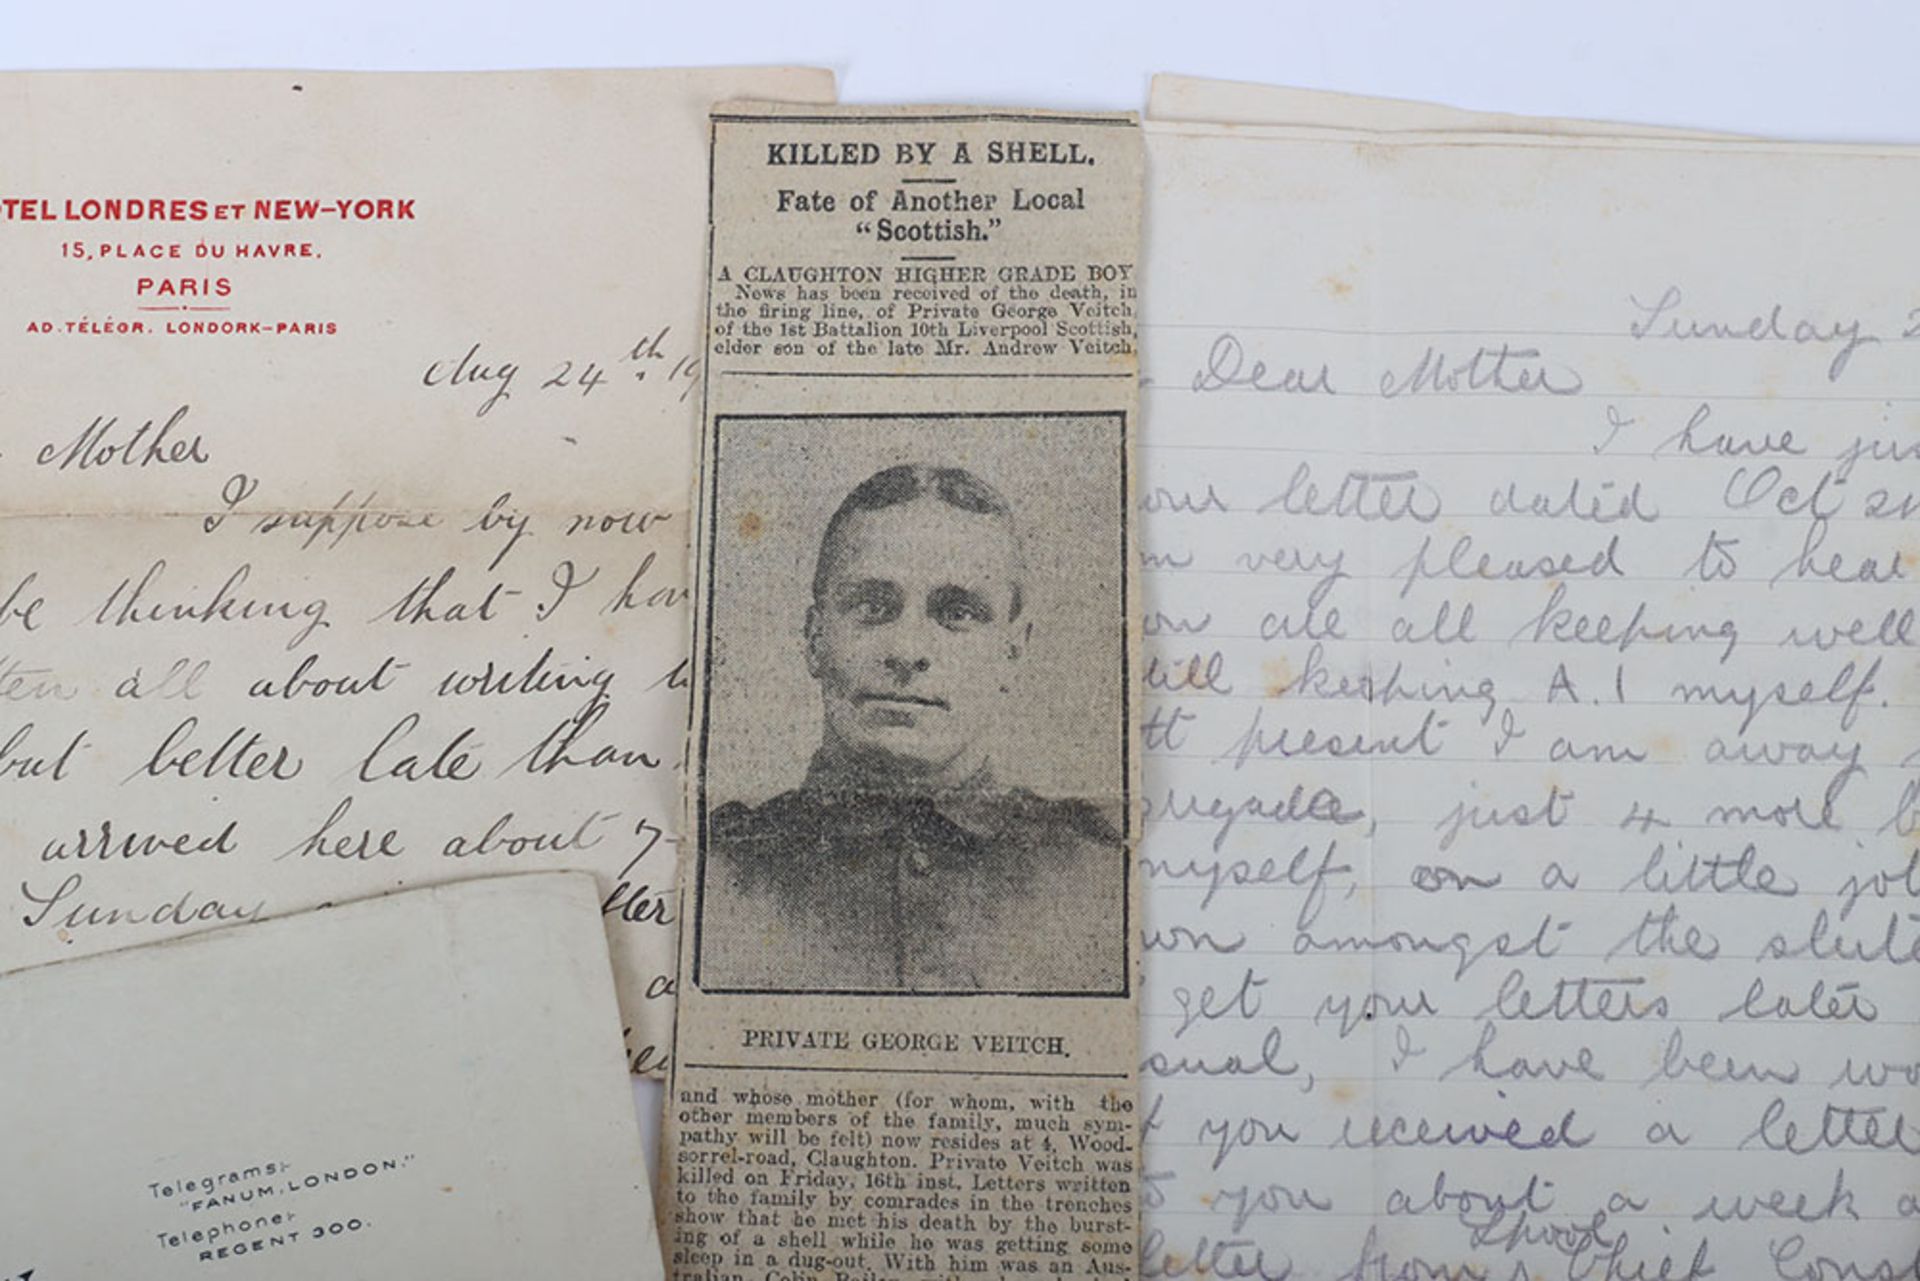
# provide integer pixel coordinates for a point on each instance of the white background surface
(1841, 70)
(1828, 71)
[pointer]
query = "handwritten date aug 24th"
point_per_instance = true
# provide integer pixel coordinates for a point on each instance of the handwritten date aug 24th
(493, 380)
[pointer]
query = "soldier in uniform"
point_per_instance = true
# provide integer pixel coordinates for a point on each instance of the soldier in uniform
(901, 864)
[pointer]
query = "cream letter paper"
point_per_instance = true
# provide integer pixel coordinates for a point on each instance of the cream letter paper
(424, 1085)
(344, 456)
(1532, 768)
(1191, 98)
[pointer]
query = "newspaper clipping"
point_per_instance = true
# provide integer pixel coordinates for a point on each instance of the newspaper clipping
(908, 1023)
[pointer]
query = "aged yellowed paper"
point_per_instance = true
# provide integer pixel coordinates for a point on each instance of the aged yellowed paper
(1532, 760)
(344, 459)
(1197, 99)
(429, 1084)
(907, 1033)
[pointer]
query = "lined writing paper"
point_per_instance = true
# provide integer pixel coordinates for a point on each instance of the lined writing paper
(1532, 757)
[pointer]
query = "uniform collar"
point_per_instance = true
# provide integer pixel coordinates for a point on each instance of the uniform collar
(975, 804)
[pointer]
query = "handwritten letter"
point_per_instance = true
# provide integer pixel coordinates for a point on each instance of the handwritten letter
(1533, 769)
(344, 457)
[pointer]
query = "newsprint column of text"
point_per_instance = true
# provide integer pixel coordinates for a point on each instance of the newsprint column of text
(908, 1021)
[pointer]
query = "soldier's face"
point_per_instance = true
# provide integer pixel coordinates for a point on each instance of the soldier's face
(912, 638)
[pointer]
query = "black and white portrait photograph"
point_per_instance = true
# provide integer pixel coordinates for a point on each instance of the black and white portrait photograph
(912, 772)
